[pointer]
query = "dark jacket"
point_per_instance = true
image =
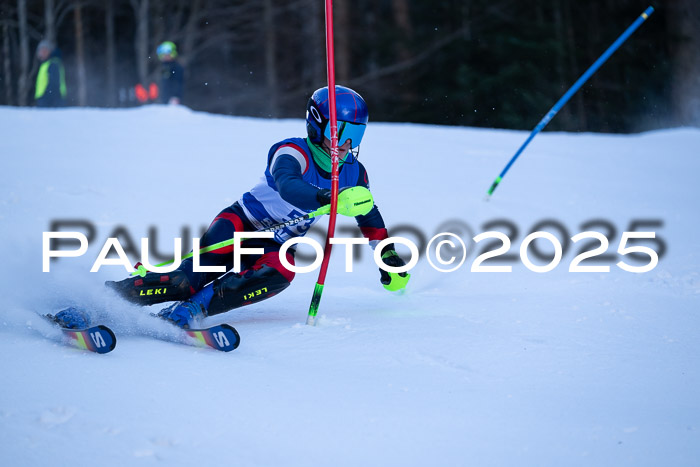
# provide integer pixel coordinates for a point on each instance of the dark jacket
(172, 81)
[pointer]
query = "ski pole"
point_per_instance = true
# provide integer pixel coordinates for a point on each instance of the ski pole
(141, 269)
(572, 90)
(335, 157)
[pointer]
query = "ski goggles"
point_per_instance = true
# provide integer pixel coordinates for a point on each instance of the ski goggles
(347, 131)
(164, 49)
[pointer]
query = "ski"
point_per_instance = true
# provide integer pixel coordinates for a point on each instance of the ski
(101, 339)
(98, 339)
(223, 337)
(220, 337)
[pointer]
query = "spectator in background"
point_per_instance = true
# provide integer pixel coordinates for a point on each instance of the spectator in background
(172, 74)
(51, 79)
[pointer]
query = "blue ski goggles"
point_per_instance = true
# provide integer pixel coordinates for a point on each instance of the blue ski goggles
(164, 49)
(347, 131)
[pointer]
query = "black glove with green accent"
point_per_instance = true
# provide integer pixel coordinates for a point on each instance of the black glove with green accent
(393, 281)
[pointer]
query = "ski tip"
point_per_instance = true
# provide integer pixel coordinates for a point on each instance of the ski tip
(109, 333)
(235, 333)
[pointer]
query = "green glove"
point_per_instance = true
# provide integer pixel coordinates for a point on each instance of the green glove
(352, 201)
(393, 281)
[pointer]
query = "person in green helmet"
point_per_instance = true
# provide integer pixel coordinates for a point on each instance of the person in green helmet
(50, 80)
(172, 74)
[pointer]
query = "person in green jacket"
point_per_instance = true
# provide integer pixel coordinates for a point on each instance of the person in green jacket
(51, 79)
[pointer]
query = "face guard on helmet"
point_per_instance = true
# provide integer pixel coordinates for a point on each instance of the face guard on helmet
(351, 112)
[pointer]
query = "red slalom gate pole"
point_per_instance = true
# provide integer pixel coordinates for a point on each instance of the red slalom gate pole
(330, 59)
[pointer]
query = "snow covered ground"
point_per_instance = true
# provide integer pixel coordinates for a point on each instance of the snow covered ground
(466, 368)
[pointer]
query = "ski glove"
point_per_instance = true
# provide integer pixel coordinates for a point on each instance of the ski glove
(393, 281)
(352, 201)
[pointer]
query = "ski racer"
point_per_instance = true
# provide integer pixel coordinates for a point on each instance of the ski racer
(297, 180)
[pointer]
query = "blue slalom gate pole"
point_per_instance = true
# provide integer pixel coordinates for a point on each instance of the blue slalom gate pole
(572, 90)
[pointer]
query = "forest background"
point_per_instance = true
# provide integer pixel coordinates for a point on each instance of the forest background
(483, 63)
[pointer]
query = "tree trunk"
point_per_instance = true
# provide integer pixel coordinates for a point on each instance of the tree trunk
(50, 21)
(561, 60)
(600, 111)
(141, 10)
(579, 109)
(684, 21)
(6, 64)
(341, 33)
(80, 54)
(110, 55)
(23, 81)
(402, 18)
(156, 31)
(191, 29)
(271, 59)
(312, 30)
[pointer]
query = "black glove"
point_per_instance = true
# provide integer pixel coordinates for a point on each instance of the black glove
(391, 280)
(324, 196)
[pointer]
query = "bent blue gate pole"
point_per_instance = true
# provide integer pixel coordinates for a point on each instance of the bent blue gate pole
(572, 90)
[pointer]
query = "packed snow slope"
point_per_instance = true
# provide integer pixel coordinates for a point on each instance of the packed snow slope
(465, 368)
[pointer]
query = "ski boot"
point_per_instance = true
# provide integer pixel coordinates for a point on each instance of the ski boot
(183, 313)
(71, 318)
(153, 288)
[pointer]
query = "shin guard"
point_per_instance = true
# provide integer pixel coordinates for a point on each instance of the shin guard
(235, 290)
(153, 288)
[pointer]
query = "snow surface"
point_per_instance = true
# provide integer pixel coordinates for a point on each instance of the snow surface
(466, 368)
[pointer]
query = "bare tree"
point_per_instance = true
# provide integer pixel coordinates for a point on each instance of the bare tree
(178, 21)
(50, 21)
(80, 53)
(160, 12)
(684, 21)
(342, 34)
(191, 31)
(312, 37)
(110, 54)
(141, 15)
(579, 109)
(560, 58)
(55, 12)
(24, 72)
(271, 58)
(6, 63)
(424, 55)
(402, 18)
